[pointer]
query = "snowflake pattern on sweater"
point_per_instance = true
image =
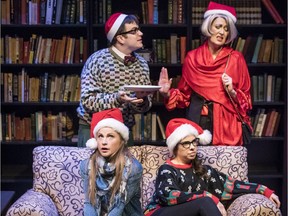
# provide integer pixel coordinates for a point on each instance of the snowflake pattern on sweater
(177, 184)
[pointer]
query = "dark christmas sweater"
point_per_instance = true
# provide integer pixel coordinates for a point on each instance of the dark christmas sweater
(177, 184)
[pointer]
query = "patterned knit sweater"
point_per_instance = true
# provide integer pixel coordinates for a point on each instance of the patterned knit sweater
(177, 184)
(103, 76)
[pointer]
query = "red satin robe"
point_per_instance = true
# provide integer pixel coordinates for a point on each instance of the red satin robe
(202, 74)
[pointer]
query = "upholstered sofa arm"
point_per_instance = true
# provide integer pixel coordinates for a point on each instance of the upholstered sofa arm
(253, 204)
(33, 203)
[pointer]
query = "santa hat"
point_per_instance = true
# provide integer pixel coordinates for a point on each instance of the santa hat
(113, 24)
(108, 118)
(179, 128)
(216, 8)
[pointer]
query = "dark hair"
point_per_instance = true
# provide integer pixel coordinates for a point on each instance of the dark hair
(200, 170)
(128, 19)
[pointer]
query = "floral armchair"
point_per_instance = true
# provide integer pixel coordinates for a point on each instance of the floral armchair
(58, 187)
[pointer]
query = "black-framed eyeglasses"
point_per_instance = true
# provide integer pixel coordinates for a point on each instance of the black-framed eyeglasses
(132, 31)
(187, 144)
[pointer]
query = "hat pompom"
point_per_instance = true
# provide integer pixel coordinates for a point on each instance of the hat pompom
(205, 138)
(91, 143)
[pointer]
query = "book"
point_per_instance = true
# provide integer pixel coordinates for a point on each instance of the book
(267, 51)
(254, 88)
(58, 11)
(257, 49)
(278, 86)
(261, 51)
(49, 12)
(273, 12)
(276, 126)
(154, 126)
(161, 126)
(269, 88)
(251, 48)
(260, 122)
(173, 41)
(39, 125)
(182, 48)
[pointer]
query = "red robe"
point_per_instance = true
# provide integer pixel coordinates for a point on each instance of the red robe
(202, 74)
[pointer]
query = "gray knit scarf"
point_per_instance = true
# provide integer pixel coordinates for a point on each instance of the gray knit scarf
(104, 182)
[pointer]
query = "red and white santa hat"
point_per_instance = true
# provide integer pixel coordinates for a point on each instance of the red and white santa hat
(108, 118)
(216, 8)
(179, 128)
(113, 24)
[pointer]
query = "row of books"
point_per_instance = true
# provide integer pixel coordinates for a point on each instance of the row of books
(43, 12)
(266, 122)
(171, 50)
(266, 88)
(148, 126)
(175, 12)
(257, 49)
(40, 50)
(38, 126)
(46, 87)
(102, 11)
(248, 11)
(149, 13)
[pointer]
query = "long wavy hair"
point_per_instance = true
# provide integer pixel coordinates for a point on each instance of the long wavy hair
(118, 159)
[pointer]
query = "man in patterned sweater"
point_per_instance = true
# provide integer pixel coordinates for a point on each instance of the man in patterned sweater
(185, 187)
(106, 72)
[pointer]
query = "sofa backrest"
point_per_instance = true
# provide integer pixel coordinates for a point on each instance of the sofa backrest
(56, 170)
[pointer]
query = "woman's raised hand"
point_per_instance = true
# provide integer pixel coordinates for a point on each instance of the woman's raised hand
(164, 82)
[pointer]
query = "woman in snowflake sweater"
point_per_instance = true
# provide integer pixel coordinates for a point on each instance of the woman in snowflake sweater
(186, 187)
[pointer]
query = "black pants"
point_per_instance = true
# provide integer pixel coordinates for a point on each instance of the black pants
(199, 207)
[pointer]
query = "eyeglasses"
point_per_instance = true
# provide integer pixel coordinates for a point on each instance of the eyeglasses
(187, 144)
(132, 31)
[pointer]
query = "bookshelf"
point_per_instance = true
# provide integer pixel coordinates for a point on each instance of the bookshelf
(267, 155)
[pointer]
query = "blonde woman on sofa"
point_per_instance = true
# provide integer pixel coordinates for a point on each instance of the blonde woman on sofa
(185, 187)
(111, 175)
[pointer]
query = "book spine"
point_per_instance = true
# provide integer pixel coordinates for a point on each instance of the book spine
(273, 12)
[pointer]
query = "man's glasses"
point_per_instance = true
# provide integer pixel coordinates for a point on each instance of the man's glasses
(132, 31)
(187, 144)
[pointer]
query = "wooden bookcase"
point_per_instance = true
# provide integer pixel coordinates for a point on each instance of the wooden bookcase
(267, 156)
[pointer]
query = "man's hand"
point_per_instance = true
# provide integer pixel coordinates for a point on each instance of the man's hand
(126, 99)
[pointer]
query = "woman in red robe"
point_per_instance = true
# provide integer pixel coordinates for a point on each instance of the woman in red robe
(206, 72)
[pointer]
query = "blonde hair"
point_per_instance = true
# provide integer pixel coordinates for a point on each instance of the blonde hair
(118, 159)
(207, 24)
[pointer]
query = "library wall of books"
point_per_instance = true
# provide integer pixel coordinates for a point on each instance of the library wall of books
(45, 43)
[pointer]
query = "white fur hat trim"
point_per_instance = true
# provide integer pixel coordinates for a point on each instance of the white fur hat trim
(183, 131)
(115, 124)
(91, 143)
(219, 11)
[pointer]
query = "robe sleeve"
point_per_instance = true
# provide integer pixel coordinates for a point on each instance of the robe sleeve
(168, 192)
(179, 97)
